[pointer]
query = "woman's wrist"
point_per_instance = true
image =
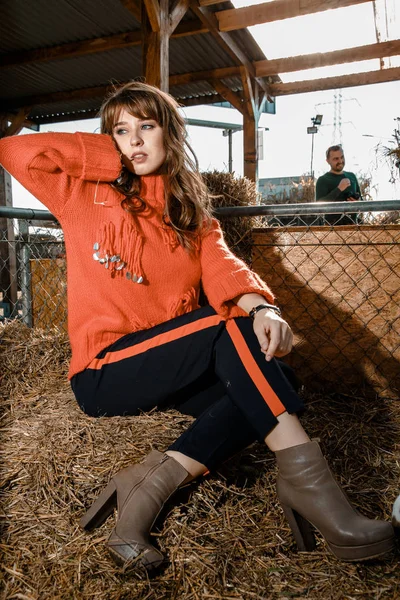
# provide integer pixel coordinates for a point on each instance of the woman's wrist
(264, 306)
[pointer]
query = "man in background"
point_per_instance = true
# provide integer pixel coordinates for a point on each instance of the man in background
(338, 186)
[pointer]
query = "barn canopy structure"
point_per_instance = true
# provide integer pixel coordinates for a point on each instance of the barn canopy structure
(58, 59)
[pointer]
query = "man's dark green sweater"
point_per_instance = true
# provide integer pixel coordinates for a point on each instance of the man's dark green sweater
(327, 187)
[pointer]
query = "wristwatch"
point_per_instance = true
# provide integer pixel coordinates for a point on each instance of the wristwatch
(255, 309)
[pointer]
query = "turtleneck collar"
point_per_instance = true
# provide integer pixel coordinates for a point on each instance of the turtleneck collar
(152, 188)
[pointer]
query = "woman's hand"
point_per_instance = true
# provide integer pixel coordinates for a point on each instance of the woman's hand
(273, 333)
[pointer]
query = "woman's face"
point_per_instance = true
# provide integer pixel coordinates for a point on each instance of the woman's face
(141, 143)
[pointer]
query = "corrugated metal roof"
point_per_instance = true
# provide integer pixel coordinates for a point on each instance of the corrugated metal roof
(202, 88)
(197, 53)
(28, 26)
(44, 23)
(72, 73)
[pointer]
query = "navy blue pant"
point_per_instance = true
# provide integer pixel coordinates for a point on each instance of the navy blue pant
(199, 364)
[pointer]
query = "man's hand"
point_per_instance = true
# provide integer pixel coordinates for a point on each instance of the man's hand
(273, 333)
(344, 184)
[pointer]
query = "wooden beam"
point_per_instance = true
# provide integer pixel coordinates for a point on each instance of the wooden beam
(223, 39)
(112, 42)
(178, 11)
(262, 67)
(155, 47)
(153, 10)
(134, 7)
(192, 27)
(210, 2)
(17, 122)
(91, 114)
(311, 61)
(28, 124)
(278, 89)
(213, 74)
(251, 115)
(101, 91)
(65, 117)
(197, 100)
(248, 95)
(104, 44)
(342, 81)
(226, 42)
(240, 18)
(82, 94)
(228, 94)
(250, 159)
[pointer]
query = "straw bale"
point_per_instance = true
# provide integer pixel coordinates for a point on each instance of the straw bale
(225, 536)
(32, 360)
(230, 190)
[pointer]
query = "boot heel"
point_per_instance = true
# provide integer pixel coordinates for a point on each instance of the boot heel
(301, 529)
(101, 508)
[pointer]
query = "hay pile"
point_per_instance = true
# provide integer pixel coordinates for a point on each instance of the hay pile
(225, 536)
(228, 190)
(33, 362)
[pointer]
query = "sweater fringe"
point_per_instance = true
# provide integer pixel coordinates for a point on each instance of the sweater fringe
(120, 250)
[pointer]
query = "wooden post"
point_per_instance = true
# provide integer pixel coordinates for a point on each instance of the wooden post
(250, 169)
(8, 260)
(251, 116)
(155, 47)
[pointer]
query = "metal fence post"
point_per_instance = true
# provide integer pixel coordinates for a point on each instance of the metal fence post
(26, 279)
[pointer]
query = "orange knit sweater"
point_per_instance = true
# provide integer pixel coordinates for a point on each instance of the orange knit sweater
(125, 272)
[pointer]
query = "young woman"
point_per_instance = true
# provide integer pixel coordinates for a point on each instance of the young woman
(140, 240)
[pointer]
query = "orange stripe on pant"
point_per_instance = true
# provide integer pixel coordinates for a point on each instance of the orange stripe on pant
(254, 371)
(158, 340)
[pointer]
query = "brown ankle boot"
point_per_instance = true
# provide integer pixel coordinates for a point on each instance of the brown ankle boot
(310, 496)
(140, 491)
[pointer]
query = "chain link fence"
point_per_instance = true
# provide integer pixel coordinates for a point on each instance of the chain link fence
(334, 269)
(32, 269)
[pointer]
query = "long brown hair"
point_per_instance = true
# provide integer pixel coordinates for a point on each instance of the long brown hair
(187, 200)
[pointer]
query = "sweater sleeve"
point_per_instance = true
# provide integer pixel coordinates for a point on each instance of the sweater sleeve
(224, 276)
(49, 164)
(322, 191)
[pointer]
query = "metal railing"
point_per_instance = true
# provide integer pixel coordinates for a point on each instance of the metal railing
(311, 208)
(334, 267)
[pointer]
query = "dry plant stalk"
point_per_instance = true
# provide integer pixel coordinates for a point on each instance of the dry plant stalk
(225, 536)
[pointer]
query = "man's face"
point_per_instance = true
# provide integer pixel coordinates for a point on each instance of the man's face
(336, 161)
